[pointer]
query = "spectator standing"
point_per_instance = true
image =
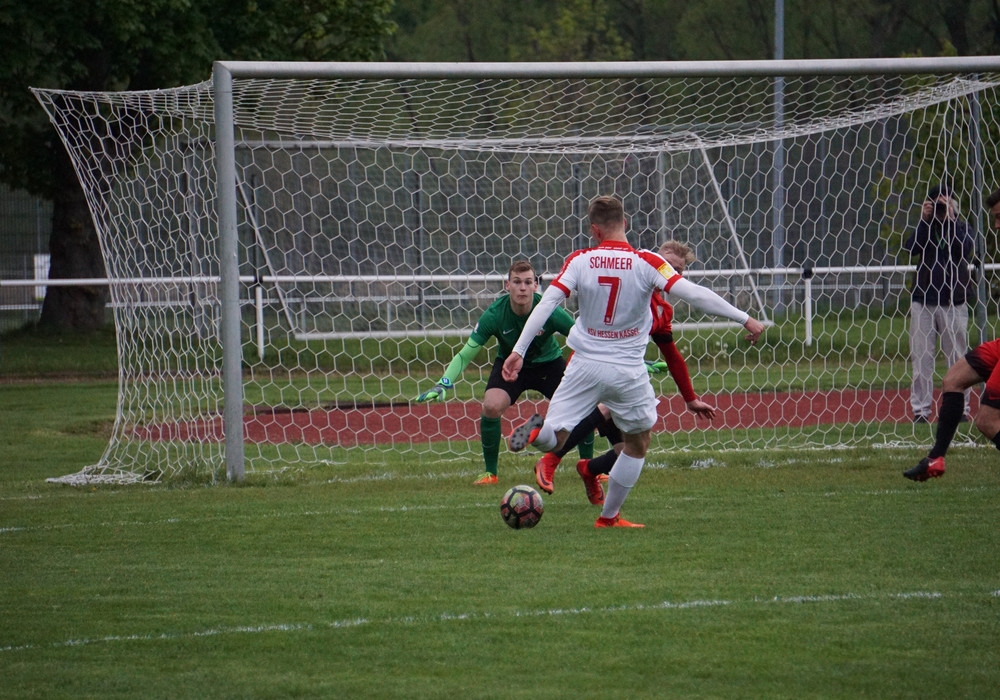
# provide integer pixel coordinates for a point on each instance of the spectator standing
(939, 312)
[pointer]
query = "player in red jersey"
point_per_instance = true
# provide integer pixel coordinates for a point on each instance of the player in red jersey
(981, 364)
(679, 255)
(614, 283)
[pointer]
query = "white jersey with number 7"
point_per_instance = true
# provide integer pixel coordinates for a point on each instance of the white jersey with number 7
(613, 283)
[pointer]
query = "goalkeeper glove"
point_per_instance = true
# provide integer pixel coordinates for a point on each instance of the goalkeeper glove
(656, 367)
(438, 392)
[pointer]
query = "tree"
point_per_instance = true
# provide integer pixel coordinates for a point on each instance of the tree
(508, 30)
(135, 45)
(582, 30)
(730, 29)
(465, 30)
(668, 30)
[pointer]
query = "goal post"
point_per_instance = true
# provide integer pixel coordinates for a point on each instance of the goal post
(297, 249)
(229, 270)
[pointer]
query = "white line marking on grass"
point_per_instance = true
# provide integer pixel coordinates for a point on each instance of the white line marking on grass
(393, 476)
(459, 617)
(898, 445)
(918, 594)
(164, 636)
(705, 464)
(638, 607)
(815, 598)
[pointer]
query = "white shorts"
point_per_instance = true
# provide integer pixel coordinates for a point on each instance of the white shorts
(625, 390)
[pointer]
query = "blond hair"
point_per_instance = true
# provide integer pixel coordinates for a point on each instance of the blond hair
(680, 249)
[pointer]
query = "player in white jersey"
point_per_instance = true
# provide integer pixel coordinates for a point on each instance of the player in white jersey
(613, 282)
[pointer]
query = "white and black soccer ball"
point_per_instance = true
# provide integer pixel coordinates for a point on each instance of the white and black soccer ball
(521, 507)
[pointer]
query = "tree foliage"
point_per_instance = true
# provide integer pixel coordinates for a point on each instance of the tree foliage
(133, 45)
(502, 30)
(151, 44)
(581, 30)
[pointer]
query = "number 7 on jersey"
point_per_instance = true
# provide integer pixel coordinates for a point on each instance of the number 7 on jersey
(613, 283)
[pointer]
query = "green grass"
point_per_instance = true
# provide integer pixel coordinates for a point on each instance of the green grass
(772, 575)
(31, 353)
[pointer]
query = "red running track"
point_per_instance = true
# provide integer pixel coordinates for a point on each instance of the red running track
(457, 420)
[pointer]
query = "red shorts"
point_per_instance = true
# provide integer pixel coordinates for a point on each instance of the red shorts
(985, 360)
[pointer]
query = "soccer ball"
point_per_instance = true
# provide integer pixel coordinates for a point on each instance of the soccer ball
(521, 507)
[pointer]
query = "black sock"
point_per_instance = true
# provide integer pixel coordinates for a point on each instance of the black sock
(951, 412)
(996, 440)
(582, 429)
(609, 430)
(602, 464)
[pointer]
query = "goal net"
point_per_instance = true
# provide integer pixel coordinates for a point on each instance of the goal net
(378, 214)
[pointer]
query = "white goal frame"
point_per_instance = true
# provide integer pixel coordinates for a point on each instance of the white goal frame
(225, 71)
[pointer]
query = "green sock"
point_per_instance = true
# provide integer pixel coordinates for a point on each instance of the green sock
(489, 434)
(586, 446)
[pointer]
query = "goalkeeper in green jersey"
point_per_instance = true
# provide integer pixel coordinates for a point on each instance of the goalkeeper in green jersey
(543, 362)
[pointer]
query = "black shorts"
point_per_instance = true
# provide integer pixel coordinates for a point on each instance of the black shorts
(542, 377)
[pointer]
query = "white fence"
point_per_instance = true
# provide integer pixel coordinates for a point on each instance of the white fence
(804, 292)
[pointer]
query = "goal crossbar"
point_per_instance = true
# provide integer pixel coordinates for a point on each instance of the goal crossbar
(612, 69)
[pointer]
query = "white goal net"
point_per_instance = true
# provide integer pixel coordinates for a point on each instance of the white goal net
(378, 213)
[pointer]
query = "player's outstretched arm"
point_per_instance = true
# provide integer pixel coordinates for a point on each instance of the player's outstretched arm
(677, 365)
(708, 301)
(439, 392)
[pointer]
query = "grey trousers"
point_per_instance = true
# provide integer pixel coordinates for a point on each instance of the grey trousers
(927, 324)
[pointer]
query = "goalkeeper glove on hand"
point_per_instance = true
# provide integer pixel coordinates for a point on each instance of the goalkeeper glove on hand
(657, 367)
(438, 392)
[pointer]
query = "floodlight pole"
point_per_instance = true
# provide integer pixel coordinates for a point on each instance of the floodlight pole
(229, 271)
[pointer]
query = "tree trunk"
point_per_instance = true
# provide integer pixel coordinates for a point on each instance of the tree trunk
(75, 253)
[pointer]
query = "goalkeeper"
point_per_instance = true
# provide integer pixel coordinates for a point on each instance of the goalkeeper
(679, 255)
(543, 363)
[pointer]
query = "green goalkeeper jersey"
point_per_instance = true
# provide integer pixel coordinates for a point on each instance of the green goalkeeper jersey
(500, 322)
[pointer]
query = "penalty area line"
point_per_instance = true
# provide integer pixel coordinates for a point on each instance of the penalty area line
(444, 617)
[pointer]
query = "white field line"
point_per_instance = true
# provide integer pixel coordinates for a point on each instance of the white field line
(445, 617)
